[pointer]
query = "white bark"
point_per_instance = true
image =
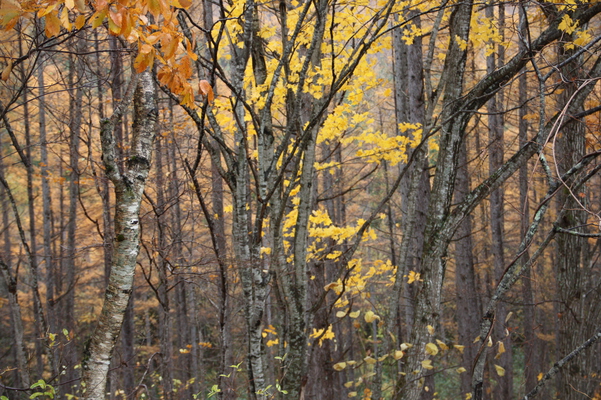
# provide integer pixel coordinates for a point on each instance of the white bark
(128, 194)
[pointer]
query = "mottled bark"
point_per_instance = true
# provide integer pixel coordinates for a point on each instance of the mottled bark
(129, 187)
(427, 301)
(76, 74)
(574, 319)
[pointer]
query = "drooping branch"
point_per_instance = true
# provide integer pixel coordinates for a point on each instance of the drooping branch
(562, 363)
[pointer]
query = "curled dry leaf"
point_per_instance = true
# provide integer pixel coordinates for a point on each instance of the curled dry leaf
(206, 90)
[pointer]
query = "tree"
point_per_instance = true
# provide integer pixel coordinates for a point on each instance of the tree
(306, 195)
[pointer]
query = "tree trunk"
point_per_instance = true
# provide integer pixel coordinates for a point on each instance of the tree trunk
(575, 323)
(504, 388)
(11, 281)
(76, 74)
(128, 196)
(468, 301)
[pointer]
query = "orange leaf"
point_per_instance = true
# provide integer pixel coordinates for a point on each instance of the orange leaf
(7, 70)
(127, 25)
(185, 67)
(143, 61)
(80, 21)
(101, 5)
(154, 7)
(190, 50)
(115, 22)
(169, 45)
(206, 90)
(53, 25)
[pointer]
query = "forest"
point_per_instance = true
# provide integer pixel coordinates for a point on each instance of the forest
(300, 199)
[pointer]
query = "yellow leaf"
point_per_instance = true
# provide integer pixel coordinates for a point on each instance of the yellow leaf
(53, 25)
(476, 340)
(398, 354)
(413, 276)
(462, 43)
(427, 364)
(431, 349)
(443, 346)
(468, 396)
(370, 316)
(348, 384)
(489, 344)
(64, 18)
(501, 350)
(430, 329)
(509, 315)
(500, 370)
(98, 18)
(460, 370)
(273, 342)
(567, 24)
(46, 10)
(69, 4)
(540, 376)
(355, 314)
(334, 286)
(339, 366)
(369, 360)
(352, 394)
(459, 347)
(181, 3)
(341, 314)
(405, 346)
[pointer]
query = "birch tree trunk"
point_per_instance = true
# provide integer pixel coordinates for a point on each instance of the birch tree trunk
(129, 188)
